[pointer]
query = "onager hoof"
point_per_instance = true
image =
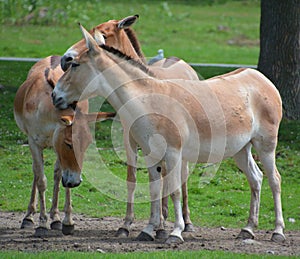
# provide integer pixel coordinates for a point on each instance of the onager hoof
(278, 238)
(56, 225)
(68, 229)
(41, 232)
(189, 228)
(27, 224)
(122, 232)
(161, 234)
(174, 240)
(143, 236)
(245, 234)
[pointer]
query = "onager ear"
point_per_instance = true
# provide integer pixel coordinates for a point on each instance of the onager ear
(99, 116)
(91, 44)
(98, 36)
(67, 119)
(128, 21)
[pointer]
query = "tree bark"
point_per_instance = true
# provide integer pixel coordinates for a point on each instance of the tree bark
(279, 57)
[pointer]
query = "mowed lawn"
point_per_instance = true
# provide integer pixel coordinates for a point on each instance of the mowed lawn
(197, 33)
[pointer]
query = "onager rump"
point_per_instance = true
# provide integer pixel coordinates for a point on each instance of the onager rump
(179, 120)
(45, 127)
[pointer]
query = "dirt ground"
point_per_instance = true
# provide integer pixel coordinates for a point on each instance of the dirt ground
(97, 235)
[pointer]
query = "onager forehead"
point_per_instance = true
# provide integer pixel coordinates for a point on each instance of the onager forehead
(71, 141)
(114, 36)
(107, 27)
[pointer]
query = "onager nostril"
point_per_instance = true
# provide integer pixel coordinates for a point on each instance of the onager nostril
(57, 101)
(69, 59)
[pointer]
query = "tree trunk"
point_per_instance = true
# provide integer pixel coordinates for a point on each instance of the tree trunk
(279, 57)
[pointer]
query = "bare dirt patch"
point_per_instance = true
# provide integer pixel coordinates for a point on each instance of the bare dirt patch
(97, 235)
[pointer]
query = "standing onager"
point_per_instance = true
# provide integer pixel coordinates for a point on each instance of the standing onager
(45, 127)
(120, 35)
(176, 120)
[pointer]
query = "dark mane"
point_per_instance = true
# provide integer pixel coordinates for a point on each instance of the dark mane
(48, 77)
(132, 61)
(135, 43)
(54, 61)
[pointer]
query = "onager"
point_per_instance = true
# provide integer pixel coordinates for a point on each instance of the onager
(46, 126)
(176, 120)
(119, 35)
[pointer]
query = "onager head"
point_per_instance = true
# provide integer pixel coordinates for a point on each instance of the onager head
(71, 140)
(117, 34)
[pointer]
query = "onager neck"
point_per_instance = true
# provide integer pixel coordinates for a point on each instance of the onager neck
(120, 77)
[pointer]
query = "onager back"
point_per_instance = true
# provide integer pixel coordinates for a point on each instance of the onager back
(176, 120)
(45, 127)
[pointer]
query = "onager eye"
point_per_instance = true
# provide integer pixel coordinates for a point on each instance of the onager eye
(70, 146)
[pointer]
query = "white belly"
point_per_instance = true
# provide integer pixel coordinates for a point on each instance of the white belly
(215, 150)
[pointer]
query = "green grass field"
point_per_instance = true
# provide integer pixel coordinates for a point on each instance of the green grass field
(221, 33)
(202, 33)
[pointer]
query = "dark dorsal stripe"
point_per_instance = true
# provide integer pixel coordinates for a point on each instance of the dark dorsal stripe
(54, 61)
(48, 77)
(132, 61)
(135, 43)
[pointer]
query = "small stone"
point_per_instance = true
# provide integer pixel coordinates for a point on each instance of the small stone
(270, 252)
(292, 220)
(223, 228)
(76, 245)
(100, 251)
(250, 242)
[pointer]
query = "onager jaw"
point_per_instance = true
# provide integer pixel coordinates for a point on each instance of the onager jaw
(71, 179)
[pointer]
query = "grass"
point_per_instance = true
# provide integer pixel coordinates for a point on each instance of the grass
(202, 33)
(225, 32)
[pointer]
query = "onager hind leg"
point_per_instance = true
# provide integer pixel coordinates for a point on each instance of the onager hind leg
(131, 153)
(266, 152)
(188, 225)
(156, 221)
(185, 206)
(173, 185)
(129, 218)
(246, 163)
